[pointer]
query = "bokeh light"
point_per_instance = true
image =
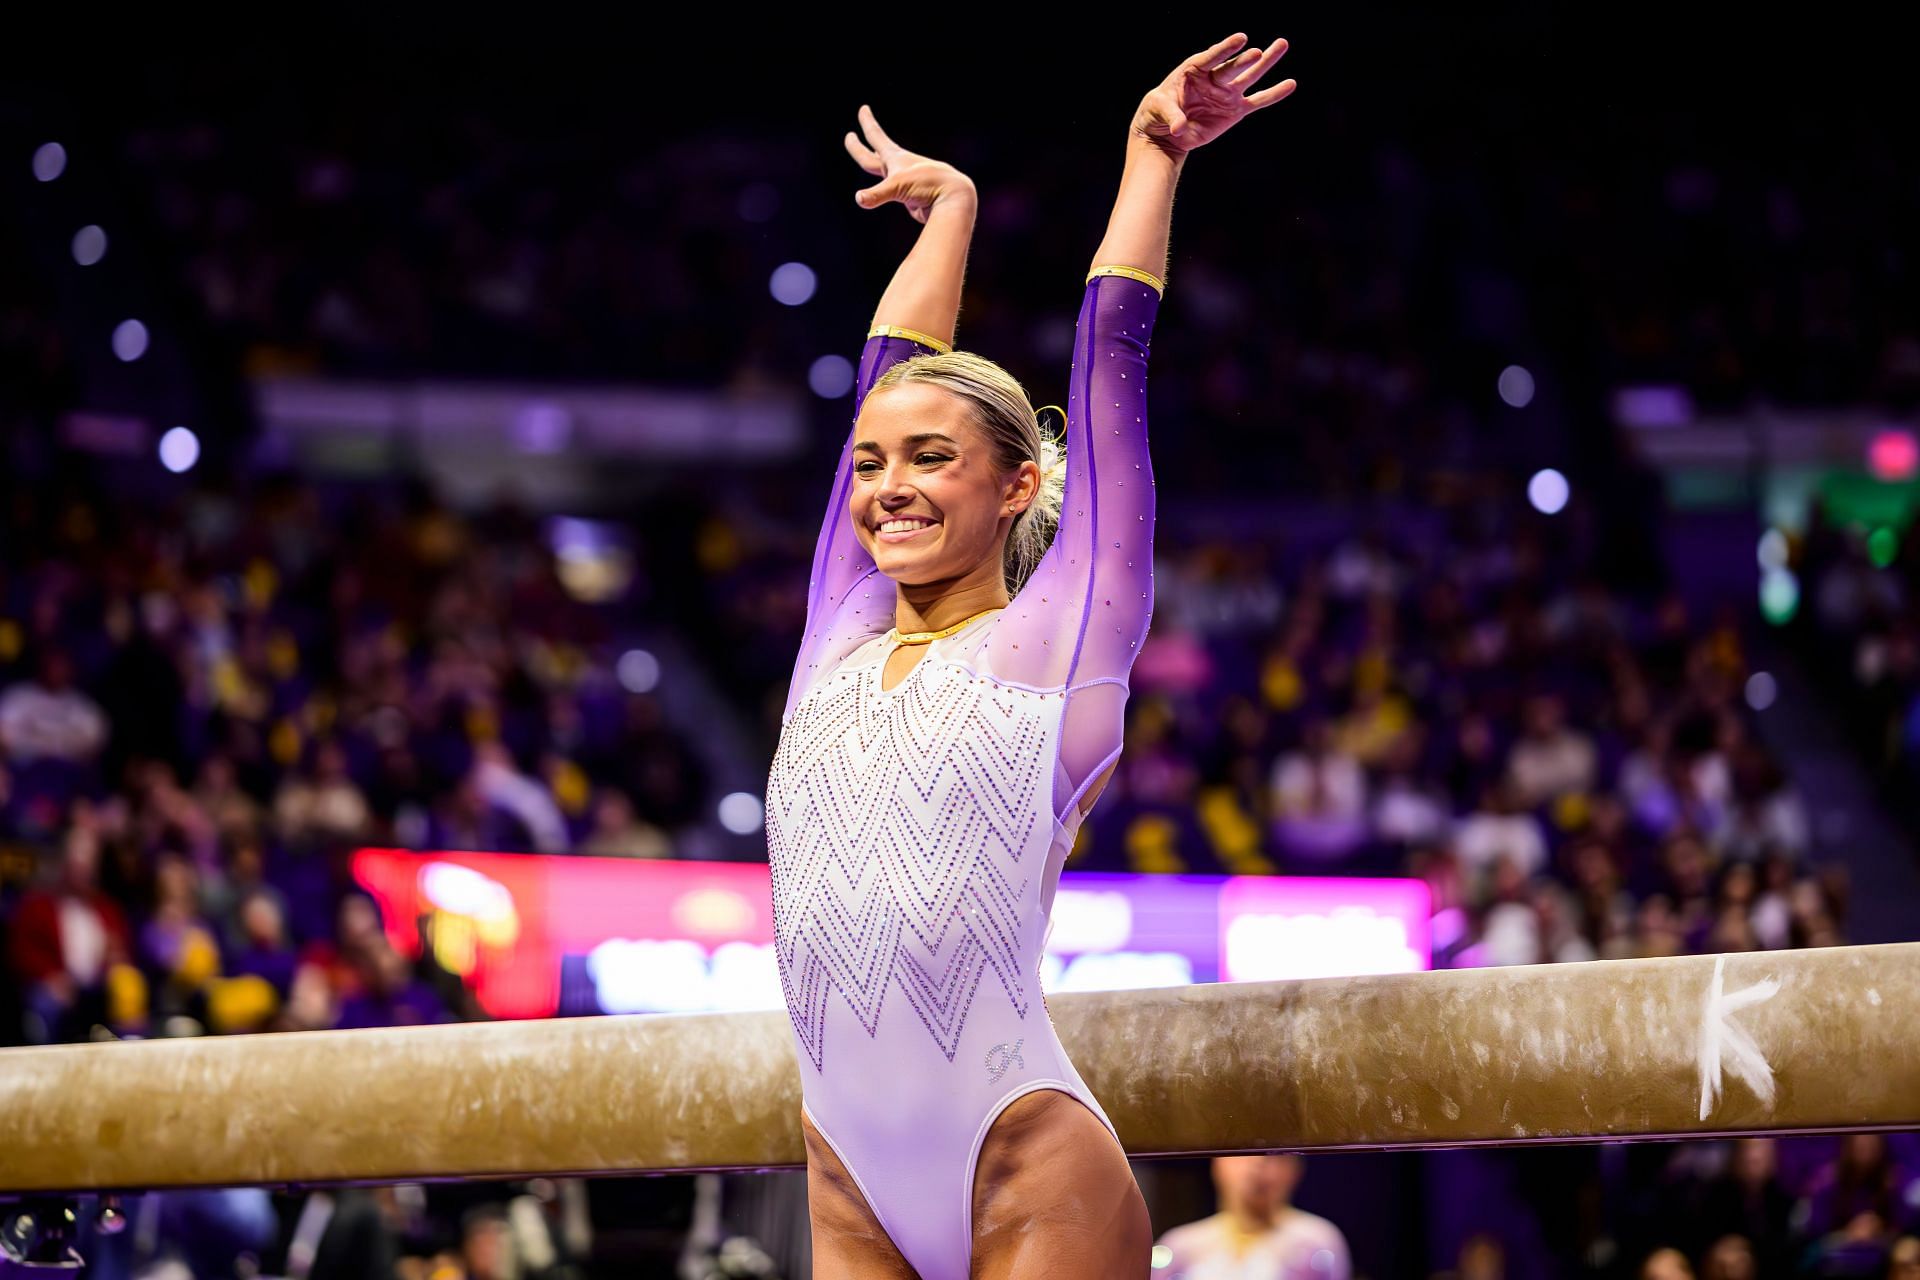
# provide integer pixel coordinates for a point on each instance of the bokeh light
(179, 450)
(49, 161)
(1516, 386)
(1893, 455)
(793, 283)
(638, 670)
(742, 813)
(1762, 688)
(1772, 552)
(830, 377)
(89, 245)
(1548, 491)
(1779, 596)
(129, 340)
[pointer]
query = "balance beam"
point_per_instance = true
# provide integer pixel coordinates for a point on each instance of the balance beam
(1753, 1043)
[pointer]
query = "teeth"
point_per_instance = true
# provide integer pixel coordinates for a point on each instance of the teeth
(901, 526)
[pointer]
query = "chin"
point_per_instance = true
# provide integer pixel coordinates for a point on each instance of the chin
(907, 575)
(906, 571)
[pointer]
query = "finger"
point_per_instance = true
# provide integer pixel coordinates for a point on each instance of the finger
(875, 134)
(874, 196)
(1210, 58)
(863, 155)
(1252, 72)
(1236, 64)
(1267, 97)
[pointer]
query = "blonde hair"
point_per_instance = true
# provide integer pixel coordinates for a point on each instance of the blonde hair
(1006, 417)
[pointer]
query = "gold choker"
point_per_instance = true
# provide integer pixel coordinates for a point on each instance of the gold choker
(922, 637)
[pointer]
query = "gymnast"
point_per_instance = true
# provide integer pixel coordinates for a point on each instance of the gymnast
(980, 590)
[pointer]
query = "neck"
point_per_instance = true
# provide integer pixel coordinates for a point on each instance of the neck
(1247, 1222)
(932, 606)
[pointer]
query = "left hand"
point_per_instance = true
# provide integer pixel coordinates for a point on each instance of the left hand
(1206, 95)
(915, 181)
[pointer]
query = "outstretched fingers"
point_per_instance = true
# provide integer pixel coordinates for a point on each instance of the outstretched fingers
(1246, 75)
(871, 154)
(1232, 67)
(1219, 53)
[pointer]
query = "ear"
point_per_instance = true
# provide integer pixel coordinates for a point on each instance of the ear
(1020, 491)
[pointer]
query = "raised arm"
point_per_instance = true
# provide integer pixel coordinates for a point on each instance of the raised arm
(917, 314)
(1079, 621)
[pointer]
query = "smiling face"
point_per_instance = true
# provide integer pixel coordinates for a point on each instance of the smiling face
(929, 501)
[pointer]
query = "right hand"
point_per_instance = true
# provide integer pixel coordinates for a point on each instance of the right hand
(916, 181)
(1206, 95)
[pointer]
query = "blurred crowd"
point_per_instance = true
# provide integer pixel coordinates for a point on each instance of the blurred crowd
(1757, 1208)
(1574, 770)
(200, 720)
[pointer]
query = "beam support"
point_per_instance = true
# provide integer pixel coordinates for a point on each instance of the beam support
(1787, 1041)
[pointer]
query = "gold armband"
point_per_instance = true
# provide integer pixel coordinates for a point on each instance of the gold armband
(1158, 285)
(912, 335)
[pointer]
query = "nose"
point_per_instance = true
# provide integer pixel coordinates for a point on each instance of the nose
(894, 489)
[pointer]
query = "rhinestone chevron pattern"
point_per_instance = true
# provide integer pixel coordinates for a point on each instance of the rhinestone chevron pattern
(904, 828)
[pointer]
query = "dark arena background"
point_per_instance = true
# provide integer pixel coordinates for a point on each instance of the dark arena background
(414, 431)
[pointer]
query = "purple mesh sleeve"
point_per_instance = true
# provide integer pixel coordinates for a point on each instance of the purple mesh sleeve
(1081, 618)
(847, 598)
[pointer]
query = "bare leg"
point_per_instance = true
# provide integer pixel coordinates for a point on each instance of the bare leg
(848, 1241)
(1053, 1196)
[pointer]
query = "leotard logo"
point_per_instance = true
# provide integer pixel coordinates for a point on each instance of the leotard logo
(1008, 1055)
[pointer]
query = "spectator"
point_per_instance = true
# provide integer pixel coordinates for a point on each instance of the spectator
(1319, 797)
(64, 942)
(1257, 1233)
(235, 815)
(1499, 831)
(1748, 1201)
(486, 1245)
(322, 805)
(1550, 759)
(1903, 1260)
(505, 787)
(1666, 1264)
(177, 945)
(618, 832)
(389, 995)
(264, 951)
(1729, 1258)
(1861, 1200)
(1481, 1257)
(1766, 817)
(48, 719)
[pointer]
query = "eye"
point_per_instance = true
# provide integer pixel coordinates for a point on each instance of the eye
(860, 468)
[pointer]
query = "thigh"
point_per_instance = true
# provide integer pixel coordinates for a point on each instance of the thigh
(848, 1241)
(1053, 1195)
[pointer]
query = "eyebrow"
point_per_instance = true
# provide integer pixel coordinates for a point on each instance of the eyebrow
(917, 438)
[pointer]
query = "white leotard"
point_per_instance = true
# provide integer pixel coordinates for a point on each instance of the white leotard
(916, 834)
